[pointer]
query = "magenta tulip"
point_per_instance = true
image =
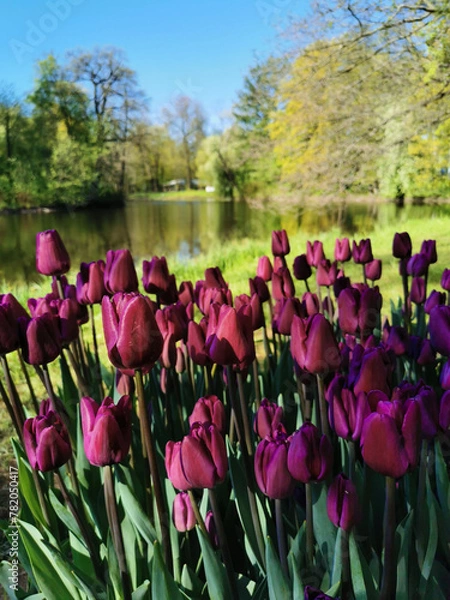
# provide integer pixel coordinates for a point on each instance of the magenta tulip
(310, 456)
(280, 243)
(90, 282)
(439, 328)
(264, 269)
(46, 440)
(342, 503)
(373, 269)
(313, 344)
(342, 252)
(267, 419)
(157, 280)
(40, 339)
(120, 273)
(271, 471)
(314, 253)
(362, 252)
(209, 409)
(183, 516)
(52, 257)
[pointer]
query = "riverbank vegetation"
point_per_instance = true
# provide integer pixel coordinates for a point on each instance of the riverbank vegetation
(357, 103)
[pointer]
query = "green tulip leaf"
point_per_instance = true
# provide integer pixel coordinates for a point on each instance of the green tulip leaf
(163, 584)
(324, 530)
(363, 584)
(218, 585)
(190, 582)
(142, 592)
(432, 542)
(296, 561)
(334, 590)
(442, 483)
(337, 559)
(277, 582)
(404, 534)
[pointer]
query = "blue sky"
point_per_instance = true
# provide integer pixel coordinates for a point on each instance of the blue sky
(201, 48)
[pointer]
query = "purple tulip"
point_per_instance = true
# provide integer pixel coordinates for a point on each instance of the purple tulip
(106, 430)
(255, 304)
(264, 269)
(172, 320)
(314, 253)
(347, 411)
(444, 378)
(362, 252)
(267, 419)
(40, 339)
(284, 312)
(342, 252)
(46, 440)
(313, 344)
(434, 299)
(372, 370)
(209, 409)
(120, 273)
(90, 282)
(417, 294)
(157, 280)
(15, 309)
(428, 248)
(342, 503)
(445, 280)
(417, 265)
(310, 455)
(52, 257)
(132, 336)
(183, 516)
(186, 293)
(398, 340)
(282, 284)
(9, 331)
(439, 328)
(259, 286)
(372, 270)
(311, 303)
(315, 594)
(196, 345)
(402, 246)
(301, 268)
(280, 243)
(271, 472)
(444, 412)
(326, 273)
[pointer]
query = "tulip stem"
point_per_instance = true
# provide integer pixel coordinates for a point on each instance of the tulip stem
(28, 380)
(76, 367)
(308, 289)
(256, 384)
(351, 459)
(309, 526)
(97, 357)
(197, 513)
(14, 400)
(389, 563)
(223, 543)
(81, 522)
(345, 561)
(244, 413)
(281, 536)
(116, 532)
(153, 466)
(322, 406)
(405, 301)
(364, 274)
(10, 410)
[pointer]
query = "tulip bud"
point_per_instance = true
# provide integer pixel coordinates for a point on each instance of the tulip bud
(417, 265)
(157, 280)
(372, 270)
(280, 243)
(211, 528)
(259, 286)
(342, 252)
(106, 430)
(196, 345)
(255, 304)
(398, 340)
(267, 419)
(362, 252)
(342, 503)
(40, 339)
(311, 303)
(52, 257)
(284, 312)
(183, 515)
(90, 282)
(313, 344)
(439, 328)
(347, 412)
(314, 253)
(434, 299)
(401, 246)
(373, 370)
(124, 383)
(209, 410)
(310, 456)
(231, 342)
(444, 412)
(120, 273)
(444, 378)
(15, 309)
(326, 273)
(264, 269)
(180, 364)
(271, 471)
(428, 248)
(282, 284)
(186, 293)
(9, 331)
(445, 280)
(417, 294)
(301, 268)
(46, 440)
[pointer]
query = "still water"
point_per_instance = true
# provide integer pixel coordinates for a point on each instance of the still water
(183, 229)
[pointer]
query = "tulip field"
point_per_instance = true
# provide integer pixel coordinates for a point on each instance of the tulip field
(199, 444)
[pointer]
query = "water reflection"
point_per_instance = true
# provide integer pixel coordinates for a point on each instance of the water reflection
(183, 229)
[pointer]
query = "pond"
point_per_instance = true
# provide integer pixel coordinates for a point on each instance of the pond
(183, 229)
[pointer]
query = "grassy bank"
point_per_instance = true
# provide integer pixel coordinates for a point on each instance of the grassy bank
(181, 196)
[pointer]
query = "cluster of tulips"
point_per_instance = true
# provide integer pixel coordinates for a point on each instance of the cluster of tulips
(319, 428)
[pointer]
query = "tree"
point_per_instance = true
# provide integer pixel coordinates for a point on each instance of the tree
(185, 119)
(11, 120)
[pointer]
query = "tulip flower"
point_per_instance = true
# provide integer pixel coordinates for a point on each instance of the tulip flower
(199, 460)
(417, 265)
(326, 273)
(310, 455)
(342, 252)
(259, 286)
(230, 337)
(132, 336)
(264, 269)
(52, 257)
(9, 331)
(183, 516)
(402, 246)
(172, 320)
(313, 344)
(271, 471)
(398, 433)
(372, 270)
(301, 268)
(207, 296)
(214, 278)
(209, 409)
(342, 283)
(311, 303)
(444, 412)
(347, 411)
(445, 280)
(267, 419)
(314, 253)
(434, 299)
(106, 430)
(398, 340)
(444, 378)
(439, 328)
(373, 370)
(46, 440)
(255, 304)
(196, 345)
(315, 594)
(418, 290)
(282, 284)
(15, 309)
(284, 312)
(157, 280)
(362, 252)
(40, 339)
(120, 273)
(280, 243)
(186, 293)
(342, 503)
(428, 248)
(211, 528)
(90, 282)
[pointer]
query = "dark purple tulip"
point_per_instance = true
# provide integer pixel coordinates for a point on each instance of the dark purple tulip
(13, 305)
(398, 340)
(40, 339)
(369, 311)
(259, 286)
(172, 320)
(372, 270)
(421, 351)
(397, 433)
(106, 430)
(209, 409)
(280, 243)
(429, 410)
(9, 330)
(124, 383)
(186, 293)
(342, 503)
(120, 273)
(417, 265)
(445, 280)
(314, 253)
(52, 257)
(211, 528)
(310, 455)
(196, 345)
(68, 324)
(267, 419)
(347, 412)
(271, 472)
(183, 516)
(342, 252)
(342, 282)
(46, 440)
(301, 268)
(157, 280)
(311, 303)
(132, 336)
(315, 594)
(402, 246)
(199, 460)
(169, 352)
(348, 305)
(417, 294)
(313, 344)
(208, 296)
(257, 310)
(444, 412)
(444, 378)
(214, 278)
(264, 269)
(434, 299)
(373, 370)
(282, 284)
(362, 252)
(90, 282)
(439, 328)
(428, 248)
(326, 273)
(230, 340)
(284, 312)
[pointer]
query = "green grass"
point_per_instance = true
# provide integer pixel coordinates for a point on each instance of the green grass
(183, 195)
